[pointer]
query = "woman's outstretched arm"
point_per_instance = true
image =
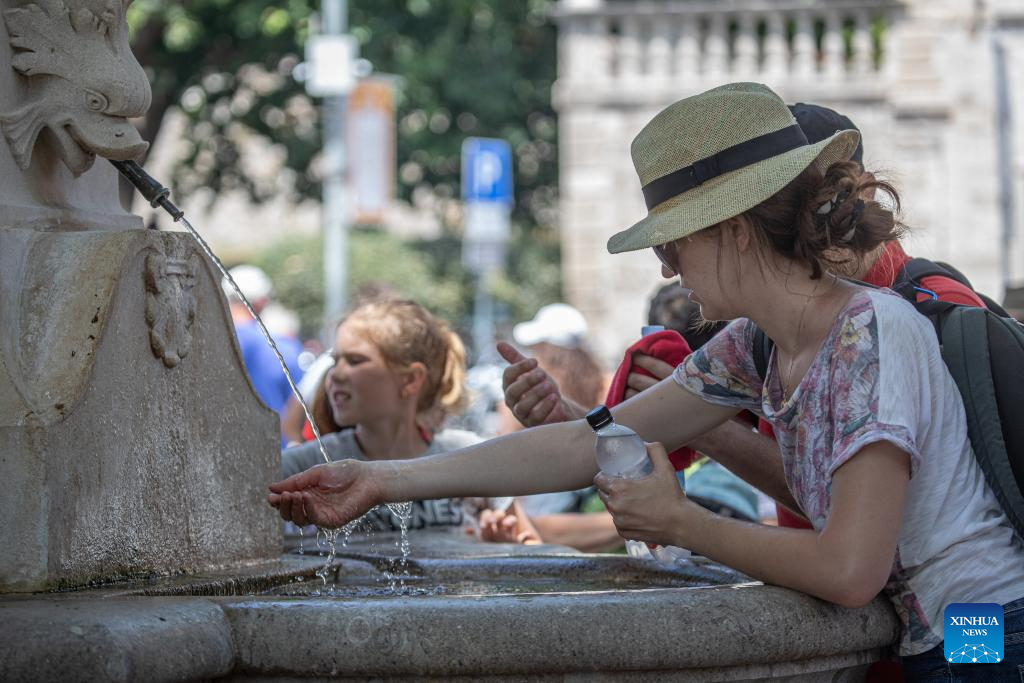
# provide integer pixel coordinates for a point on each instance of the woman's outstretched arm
(558, 457)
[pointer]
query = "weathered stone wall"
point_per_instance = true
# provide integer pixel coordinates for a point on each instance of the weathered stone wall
(124, 451)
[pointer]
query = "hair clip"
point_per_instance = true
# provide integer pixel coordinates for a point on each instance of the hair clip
(825, 209)
(854, 220)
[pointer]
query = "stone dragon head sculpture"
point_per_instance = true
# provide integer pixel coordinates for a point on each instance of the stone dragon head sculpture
(83, 82)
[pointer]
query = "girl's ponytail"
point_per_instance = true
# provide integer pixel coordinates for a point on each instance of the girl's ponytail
(452, 390)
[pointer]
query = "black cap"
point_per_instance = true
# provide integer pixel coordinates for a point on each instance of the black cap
(819, 123)
(599, 417)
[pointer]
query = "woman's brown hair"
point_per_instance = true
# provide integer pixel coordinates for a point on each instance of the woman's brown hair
(823, 220)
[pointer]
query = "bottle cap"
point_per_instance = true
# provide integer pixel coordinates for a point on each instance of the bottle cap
(599, 417)
(651, 329)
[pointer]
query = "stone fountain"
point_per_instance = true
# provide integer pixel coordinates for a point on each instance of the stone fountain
(134, 455)
(131, 442)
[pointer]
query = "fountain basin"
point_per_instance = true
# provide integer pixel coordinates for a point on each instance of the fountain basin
(503, 612)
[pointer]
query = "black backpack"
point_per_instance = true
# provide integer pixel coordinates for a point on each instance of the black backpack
(984, 352)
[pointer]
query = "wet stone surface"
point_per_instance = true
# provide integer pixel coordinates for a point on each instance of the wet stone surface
(361, 575)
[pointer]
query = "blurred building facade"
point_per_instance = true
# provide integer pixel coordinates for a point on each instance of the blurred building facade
(926, 81)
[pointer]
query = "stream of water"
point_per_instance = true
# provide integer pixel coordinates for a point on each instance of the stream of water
(263, 329)
(403, 511)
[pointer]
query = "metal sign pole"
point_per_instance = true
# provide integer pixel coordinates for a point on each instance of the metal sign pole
(334, 202)
(330, 57)
(487, 192)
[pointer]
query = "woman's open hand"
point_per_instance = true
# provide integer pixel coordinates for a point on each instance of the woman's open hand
(326, 495)
(653, 509)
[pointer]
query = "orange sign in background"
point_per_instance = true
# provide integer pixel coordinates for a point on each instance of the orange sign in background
(371, 147)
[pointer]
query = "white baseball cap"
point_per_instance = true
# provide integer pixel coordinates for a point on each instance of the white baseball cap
(253, 282)
(558, 324)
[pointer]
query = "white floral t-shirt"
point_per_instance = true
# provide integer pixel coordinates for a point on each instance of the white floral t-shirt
(879, 376)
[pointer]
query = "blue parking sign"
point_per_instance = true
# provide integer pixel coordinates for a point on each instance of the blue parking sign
(486, 171)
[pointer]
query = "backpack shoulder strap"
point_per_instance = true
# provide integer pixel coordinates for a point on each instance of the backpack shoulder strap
(909, 279)
(990, 303)
(917, 268)
(762, 352)
(985, 356)
(953, 273)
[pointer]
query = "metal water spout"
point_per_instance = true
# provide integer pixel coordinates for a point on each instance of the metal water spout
(156, 194)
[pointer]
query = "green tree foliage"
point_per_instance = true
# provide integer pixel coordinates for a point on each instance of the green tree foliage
(296, 267)
(466, 68)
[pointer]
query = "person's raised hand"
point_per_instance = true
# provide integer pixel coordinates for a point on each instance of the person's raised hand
(326, 495)
(637, 382)
(530, 393)
(652, 509)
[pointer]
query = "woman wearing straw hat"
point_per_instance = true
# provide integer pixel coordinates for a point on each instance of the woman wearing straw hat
(869, 423)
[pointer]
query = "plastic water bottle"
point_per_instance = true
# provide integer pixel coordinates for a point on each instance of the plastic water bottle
(620, 451)
(663, 554)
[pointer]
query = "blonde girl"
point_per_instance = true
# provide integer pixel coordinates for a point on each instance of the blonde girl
(398, 372)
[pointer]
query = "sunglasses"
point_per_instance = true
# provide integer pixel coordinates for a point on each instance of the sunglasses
(668, 256)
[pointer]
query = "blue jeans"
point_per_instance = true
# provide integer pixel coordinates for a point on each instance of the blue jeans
(931, 666)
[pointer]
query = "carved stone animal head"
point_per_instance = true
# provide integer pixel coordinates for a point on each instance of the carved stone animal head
(84, 82)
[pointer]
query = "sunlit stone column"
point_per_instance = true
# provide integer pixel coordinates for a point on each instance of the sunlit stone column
(629, 48)
(599, 50)
(862, 47)
(746, 65)
(576, 63)
(716, 48)
(776, 52)
(803, 46)
(887, 65)
(832, 46)
(687, 55)
(659, 51)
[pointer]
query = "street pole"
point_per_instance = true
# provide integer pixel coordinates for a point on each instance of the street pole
(483, 322)
(335, 203)
(1004, 155)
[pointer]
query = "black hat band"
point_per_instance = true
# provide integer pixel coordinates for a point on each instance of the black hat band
(729, 159)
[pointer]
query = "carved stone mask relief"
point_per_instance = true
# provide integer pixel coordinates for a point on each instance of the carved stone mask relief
(85, 82)
(171, 303)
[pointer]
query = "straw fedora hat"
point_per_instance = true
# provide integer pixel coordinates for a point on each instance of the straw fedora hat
(715, 155)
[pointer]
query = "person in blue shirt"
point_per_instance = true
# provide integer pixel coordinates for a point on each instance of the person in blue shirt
(261, 363)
